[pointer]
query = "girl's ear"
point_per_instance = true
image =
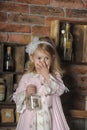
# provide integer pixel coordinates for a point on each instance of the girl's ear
(31, 58)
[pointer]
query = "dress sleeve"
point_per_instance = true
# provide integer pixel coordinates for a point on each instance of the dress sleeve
(19, 95)
(20, 101)
(56, 84)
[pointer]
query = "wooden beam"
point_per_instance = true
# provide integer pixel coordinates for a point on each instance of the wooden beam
(54, 31)
(78, 113)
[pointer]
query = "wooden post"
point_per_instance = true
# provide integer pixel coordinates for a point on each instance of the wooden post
(54, 31)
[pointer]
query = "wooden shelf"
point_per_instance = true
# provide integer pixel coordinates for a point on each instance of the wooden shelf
(8, 107)
(78, 113)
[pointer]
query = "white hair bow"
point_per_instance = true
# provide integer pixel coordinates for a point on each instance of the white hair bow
(31, 47)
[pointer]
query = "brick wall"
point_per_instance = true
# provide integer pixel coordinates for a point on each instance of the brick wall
(21, 19)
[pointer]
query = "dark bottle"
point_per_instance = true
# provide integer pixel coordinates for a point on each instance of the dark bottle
(2, 90)
(9, 63)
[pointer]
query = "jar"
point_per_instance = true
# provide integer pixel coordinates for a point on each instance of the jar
(33, 102)
(2, 89)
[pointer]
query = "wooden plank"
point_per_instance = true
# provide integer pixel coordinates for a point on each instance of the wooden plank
(54, 31)
(1, 57)
(85, 45)
(19, 58)
(9, 85)
(78, 113)
(80, 43)
(7, 128)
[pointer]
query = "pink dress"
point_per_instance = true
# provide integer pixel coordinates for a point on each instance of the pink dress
(50, 116)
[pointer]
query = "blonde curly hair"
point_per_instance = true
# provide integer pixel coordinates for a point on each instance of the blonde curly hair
(55, 67)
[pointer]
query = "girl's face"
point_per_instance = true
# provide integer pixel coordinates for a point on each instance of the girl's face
(41, 57)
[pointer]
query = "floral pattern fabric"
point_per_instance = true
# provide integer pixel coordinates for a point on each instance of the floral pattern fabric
(50, 116)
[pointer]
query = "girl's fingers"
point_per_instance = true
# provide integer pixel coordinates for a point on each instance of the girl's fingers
(31, 90)
(46, 64)
(43, 65)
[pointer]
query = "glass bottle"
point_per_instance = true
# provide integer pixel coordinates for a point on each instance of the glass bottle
(2, 90)
(67, 43)
(9, 63)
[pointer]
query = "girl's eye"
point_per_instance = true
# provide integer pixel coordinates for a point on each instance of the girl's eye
(39, 58)
(46, 58)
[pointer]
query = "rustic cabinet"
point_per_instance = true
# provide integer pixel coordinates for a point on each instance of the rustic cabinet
(8, 114)
(79, 32)
(75, 99)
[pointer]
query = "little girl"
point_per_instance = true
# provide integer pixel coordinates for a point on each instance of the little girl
(44, 84)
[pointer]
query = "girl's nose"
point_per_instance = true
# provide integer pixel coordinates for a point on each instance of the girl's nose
(43, 60)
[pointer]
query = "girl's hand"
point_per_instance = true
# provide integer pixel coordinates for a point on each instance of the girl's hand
(43, 69)
(31, 89)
